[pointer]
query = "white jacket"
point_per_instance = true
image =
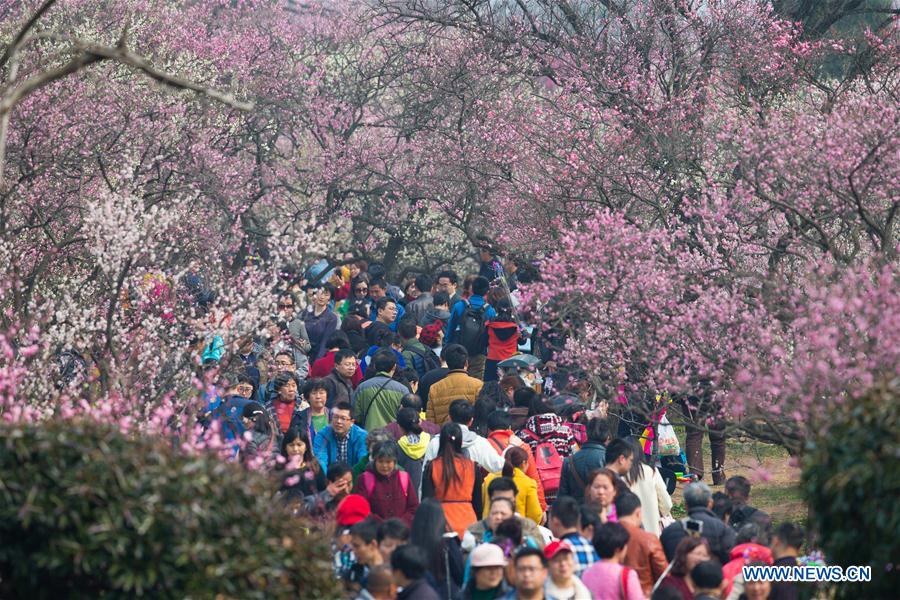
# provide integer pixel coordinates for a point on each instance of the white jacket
(475, 448)
(655, 499)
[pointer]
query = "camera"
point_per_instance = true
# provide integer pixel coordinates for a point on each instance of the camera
(693, 527)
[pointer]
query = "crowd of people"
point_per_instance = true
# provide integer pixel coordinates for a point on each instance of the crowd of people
(385, 414)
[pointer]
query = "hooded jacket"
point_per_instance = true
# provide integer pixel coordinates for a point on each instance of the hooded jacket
(427, 426)
(475, 448)
(526, 499)
(435, 314)
(412, 457)
(503, 339)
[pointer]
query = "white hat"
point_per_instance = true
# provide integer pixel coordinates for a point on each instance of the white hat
(488, 555)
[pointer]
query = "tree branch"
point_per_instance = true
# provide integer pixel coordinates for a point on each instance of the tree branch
(92, 53)
(14, 45)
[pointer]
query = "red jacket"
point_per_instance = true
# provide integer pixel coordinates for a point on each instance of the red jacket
(323, 366)
(387, 497)
(503, 340)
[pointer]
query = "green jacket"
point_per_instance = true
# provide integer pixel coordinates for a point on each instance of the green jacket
(377, 400)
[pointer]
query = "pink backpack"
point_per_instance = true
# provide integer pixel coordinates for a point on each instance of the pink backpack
(369, 482)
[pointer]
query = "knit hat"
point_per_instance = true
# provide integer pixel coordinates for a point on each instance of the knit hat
(488, 555)
(429, 333)
(352, 509)
(554, 548)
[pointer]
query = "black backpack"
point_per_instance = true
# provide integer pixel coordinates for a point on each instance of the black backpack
(428, 359)
(471, 329)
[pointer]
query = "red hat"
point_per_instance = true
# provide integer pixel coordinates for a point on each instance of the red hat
(554, 548)
(429, 333)
(352, 509)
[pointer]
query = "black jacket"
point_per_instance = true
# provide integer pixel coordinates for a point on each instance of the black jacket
(591, 456)
(429, 379)
(719, 535)
(418, 590)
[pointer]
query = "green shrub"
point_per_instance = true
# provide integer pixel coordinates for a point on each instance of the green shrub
(87, 512)
(851, 479)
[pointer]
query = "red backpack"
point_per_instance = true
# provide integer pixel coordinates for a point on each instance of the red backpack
(549, 467)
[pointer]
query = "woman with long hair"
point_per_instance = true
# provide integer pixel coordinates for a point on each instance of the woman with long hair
(454, 480)
(600, 491)
(413, 443)
(527, 503)
(690, 552)
(648, 485)
(485, 406)
(431, 532)
(303, 475)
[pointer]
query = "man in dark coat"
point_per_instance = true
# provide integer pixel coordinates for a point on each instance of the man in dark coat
(591, 456)
(700, 521)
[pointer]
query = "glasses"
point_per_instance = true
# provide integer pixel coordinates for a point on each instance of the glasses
(285, 306)
(362, 290)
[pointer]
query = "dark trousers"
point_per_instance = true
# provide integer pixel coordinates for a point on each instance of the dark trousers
(697, 417)
(490, 370)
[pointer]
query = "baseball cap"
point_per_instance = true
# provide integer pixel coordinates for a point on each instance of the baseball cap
(352, 509)
(488, 555)
(554, 548)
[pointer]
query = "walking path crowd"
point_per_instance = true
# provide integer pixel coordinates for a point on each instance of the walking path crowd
(447, 468)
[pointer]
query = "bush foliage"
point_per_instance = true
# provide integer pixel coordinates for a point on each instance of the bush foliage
(851, 477)
(88, 512)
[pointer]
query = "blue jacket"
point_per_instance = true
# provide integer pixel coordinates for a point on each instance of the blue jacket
(456, 316)
(325, 446)
(228, 412)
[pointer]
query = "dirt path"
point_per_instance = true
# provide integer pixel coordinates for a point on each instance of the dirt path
(775, 481)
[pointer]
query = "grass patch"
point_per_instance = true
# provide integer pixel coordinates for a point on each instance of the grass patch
(777, 493)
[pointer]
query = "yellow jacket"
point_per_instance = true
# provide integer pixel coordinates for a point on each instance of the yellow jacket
(456, 385)
(527, 503)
